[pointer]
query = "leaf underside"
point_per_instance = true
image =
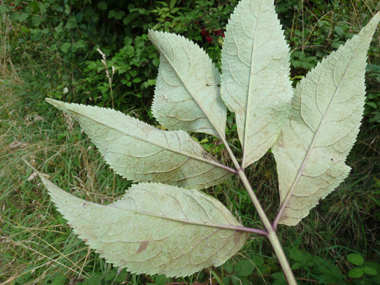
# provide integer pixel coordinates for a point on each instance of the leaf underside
(154, 228)
(141, 152)
(187, 92)
(323, 126)
(255, 76)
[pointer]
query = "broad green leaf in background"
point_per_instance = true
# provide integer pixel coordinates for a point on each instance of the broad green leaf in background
(117, 15)
(244, 267)
(356, 259)
(71, 23)
(65, 47)
(314, 144)
(22, 16)
(102, 5)
(369, 270)
(79, 44)
(187, 92)
(3, 9)
(355, 272)
(172, 3)
(255, 76)
(141, 152)
(130, 17)
(36, 21)
(155, 228)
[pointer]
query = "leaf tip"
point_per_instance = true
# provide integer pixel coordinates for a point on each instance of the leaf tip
(54, 102)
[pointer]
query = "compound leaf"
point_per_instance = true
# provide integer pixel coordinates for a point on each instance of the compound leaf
(155, 228)
(141, 152)
(255, 76)
(314, 144)
(187, 92)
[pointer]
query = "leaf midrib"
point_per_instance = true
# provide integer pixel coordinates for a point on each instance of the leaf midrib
(249, 90)
(57, 191)
(219, 226)
(153, 143)
(300, 171)
(188, 89)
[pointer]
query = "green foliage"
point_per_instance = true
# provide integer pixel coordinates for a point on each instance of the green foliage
(110, 276)
(346, 218)
(309, 269)
(315, 29)
(315, 267)
(367, 272)
(242, 271)
(73, 32)
(372, 107)
(356, 259)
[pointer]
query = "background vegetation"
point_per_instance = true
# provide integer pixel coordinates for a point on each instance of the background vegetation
(50, 48)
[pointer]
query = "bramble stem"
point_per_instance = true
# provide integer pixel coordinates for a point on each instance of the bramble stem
(272, 236)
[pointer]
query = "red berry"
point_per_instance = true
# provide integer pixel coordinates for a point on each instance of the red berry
(219, 33)
(209, 39)
(196, 23)
(204, 32)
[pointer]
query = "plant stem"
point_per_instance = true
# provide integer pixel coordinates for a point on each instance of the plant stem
(255, 201)
(272, 236)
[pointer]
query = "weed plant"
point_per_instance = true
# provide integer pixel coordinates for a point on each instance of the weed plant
(37, 246)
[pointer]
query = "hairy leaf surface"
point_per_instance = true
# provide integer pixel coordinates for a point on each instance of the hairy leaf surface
(155, 228)
(187, 93)
(255, 77)
(141, 152)
(314, 144)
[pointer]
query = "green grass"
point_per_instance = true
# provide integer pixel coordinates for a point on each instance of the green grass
(34, 233)
(37, 246)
